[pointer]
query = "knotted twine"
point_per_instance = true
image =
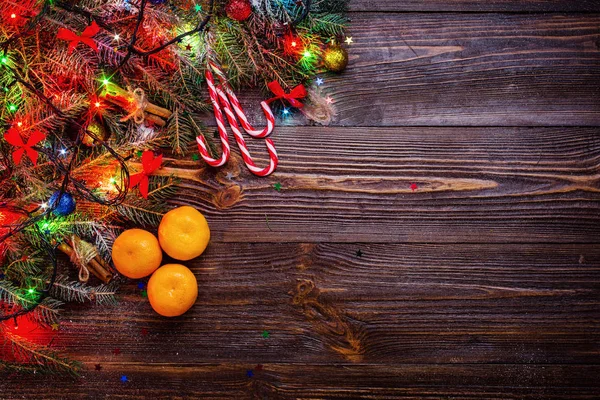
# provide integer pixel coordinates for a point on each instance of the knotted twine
(83, 253)
(140, 102)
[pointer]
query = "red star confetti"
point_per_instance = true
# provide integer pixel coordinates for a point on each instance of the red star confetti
(413, 186)
(117, 351)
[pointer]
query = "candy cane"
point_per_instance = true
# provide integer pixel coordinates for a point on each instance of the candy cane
(240, 111)
(218, 99)
(202, 146)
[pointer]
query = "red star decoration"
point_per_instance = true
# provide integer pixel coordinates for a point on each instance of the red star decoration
(144, 332)
(413, 186)
(188, 47)
(117, 351)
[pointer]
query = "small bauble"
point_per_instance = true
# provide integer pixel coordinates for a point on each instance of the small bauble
(63, 206)
(239, 10)
(95, 132)
(335, 58)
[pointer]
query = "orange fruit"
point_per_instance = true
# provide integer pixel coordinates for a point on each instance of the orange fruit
(183, 233)
(172, 290)
(136, 253)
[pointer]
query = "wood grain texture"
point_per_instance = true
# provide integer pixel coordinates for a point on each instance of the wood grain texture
(300, 381)
(480, 282)
(499, 321)
(354, 184)
(475, 6)
(467, 69)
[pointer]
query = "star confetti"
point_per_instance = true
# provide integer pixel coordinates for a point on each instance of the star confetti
(195, 157)
(117, 351)
(250, 373)
(98, 367)
(141, 285)
(319, 81)
(144, 293)
(55, 326)
(124, 379)
(229, 176)
(359, 253)
(349, 40)
(259, 367)
(413, 186)
(266, 334)
(144, 332)
(198, 8)
(277, 186)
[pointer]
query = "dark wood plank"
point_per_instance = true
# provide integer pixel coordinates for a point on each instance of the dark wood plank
(354, 184)
(468, 69)
(475, 6)
(301, 381)
(425, 304)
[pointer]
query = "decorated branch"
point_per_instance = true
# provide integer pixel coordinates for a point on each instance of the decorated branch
(95, 98)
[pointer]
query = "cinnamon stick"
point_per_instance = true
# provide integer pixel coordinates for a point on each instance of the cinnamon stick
(93, 266)
(156, 110)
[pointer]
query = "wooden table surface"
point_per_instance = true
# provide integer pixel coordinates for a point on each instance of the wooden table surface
(483, 282)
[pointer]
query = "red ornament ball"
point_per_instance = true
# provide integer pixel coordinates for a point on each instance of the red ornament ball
(239, 10)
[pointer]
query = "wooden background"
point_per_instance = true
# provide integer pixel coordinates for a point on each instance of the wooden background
(482, 283)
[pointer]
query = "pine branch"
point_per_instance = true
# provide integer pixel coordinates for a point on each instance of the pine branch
(41, 357)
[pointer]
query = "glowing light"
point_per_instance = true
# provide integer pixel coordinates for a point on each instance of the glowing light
(44, 205)
(13, 15)
(63, 152)
(19, 124)
(286, 111)
(117, 37)
(12, 107)
(97, 104)
(4, 60)
(31, 291)
(105, 81)
(112, 181)
(307, 54)
(294, 44)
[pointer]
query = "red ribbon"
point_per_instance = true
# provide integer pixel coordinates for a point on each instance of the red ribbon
(85, 37)
(13, 137)
(299, 92)
(149, 164)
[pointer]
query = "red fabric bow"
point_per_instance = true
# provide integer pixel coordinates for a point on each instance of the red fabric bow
(299, 92)
(13, 137)
(149, 164)
(85, 37)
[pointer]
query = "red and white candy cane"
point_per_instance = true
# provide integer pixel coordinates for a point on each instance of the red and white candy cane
(219, 98)
(237, 107)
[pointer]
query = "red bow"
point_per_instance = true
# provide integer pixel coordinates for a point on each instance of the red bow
(85, 37)
(299, 92)
(13, 137)
(150, 164)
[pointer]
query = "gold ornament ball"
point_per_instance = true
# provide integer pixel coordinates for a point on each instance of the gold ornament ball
(335, 58)
(97, 129)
